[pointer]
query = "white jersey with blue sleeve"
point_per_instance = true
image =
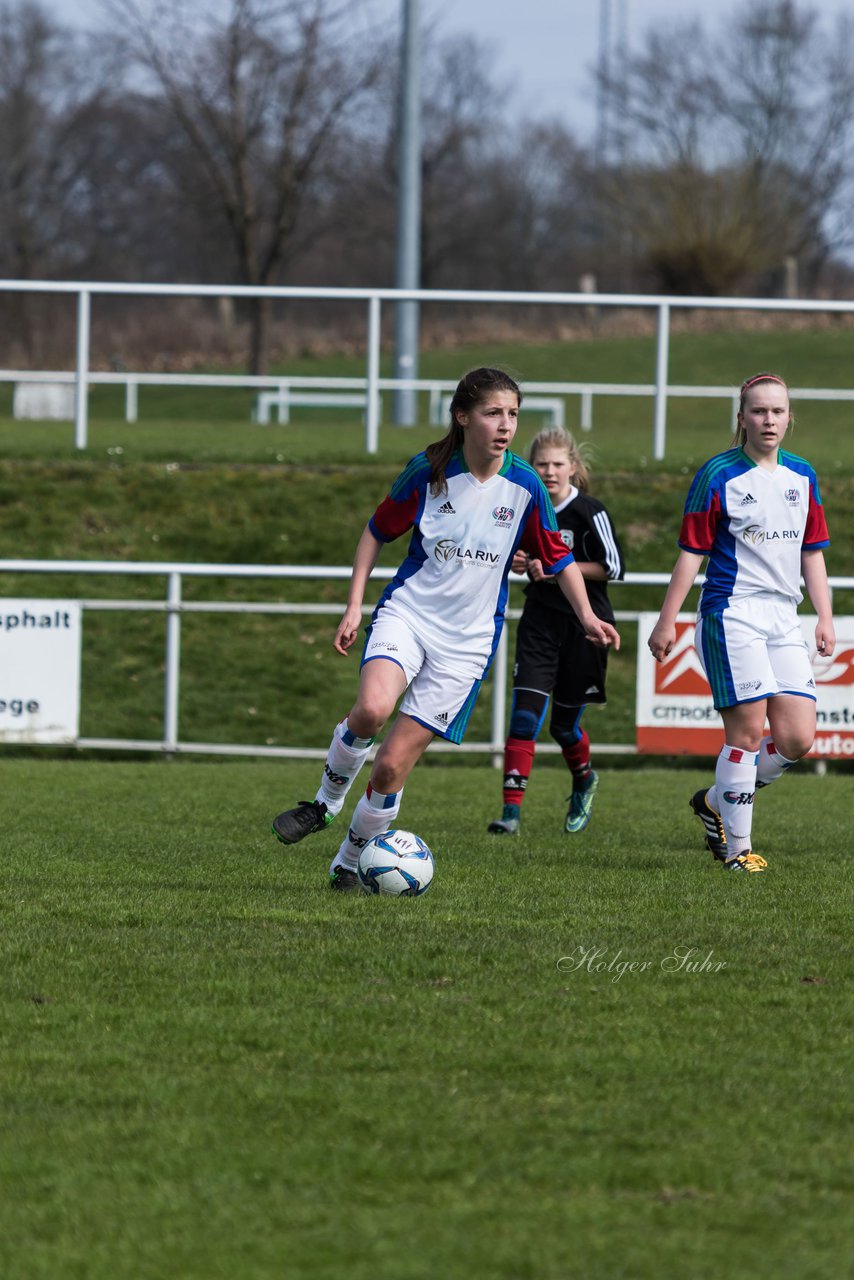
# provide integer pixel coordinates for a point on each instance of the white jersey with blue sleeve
(752, 523)
(453, 583)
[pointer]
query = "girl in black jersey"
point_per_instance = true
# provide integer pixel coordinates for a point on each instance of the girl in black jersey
(553, 657)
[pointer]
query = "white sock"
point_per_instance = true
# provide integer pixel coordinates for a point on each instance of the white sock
(771, 765)
(373, 814)
(344, 759)
(735, 785)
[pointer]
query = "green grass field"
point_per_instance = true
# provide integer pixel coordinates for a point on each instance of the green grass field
(213, 1067)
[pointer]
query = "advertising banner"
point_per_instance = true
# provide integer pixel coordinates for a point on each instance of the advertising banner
(39, 671)
(674, 711)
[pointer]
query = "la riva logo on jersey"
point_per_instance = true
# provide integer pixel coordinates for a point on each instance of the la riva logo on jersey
(503, 515)
(756, 534)
(446, 551)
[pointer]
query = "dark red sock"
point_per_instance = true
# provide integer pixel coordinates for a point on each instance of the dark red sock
(518, 762)
(577, 758)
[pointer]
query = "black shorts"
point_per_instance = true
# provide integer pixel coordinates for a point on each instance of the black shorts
(553, 656)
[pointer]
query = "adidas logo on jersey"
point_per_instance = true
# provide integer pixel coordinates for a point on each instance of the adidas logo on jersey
(446, 509)
(747, 500)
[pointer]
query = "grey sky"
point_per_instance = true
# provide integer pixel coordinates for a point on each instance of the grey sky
(544, 48)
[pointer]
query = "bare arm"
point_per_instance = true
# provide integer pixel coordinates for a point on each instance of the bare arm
(588, 569)
(571, 582)
(367, 552)
(815, 577)
(681, 581)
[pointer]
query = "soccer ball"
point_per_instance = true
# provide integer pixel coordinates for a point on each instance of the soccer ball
(396, 862)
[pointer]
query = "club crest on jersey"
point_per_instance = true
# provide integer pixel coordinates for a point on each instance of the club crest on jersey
(793, 497)
(503, 515)
(567, 537)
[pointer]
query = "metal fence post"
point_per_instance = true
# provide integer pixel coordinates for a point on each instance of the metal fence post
(372, 408)
(662, 357)
(81, 385)
(173, 663)
(587, 410)
(499, 699)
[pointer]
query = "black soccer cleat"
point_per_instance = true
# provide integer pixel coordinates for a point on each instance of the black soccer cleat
(295, 824)
(713, 827)
(343, 880)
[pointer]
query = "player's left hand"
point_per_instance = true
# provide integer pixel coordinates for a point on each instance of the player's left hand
(825, 639)
(603, 634)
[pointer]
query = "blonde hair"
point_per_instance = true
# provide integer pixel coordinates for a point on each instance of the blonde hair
(756, 380)
(559, 438)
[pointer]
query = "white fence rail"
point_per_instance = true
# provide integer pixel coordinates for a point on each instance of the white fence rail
(174, 606)
(372, 385)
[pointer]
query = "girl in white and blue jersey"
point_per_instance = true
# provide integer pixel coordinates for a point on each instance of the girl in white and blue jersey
(756, 512)
(470, 504)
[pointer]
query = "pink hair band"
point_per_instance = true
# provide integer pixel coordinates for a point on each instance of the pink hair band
(763, 377)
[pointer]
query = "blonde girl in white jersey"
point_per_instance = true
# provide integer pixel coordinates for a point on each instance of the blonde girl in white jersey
(756, 512)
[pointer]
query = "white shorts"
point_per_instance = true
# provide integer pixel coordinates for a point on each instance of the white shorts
(754, 649)
(442, 683)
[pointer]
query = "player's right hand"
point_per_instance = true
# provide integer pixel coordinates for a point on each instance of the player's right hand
(661, 640)
(348, 629)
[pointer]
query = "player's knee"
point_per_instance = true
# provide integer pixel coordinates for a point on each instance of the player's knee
(565, 735)
(369, 715)
(794, 744)
(387, 776)
(524, 723)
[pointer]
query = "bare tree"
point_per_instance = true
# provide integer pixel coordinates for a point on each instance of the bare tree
(736, 150)
(52, 91)
(256, 98)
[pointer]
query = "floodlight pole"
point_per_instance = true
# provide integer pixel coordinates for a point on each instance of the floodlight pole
(406, 316)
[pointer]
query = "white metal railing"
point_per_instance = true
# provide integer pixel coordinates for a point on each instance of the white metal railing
(283, 393)
(84, 291)
(173, 605)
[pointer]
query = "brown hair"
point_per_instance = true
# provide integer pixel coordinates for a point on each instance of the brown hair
(756, 380)
(560, 438)
(472, 389)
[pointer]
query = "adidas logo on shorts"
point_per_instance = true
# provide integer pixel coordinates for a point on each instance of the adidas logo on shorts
(446, 510)
(442, 717)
